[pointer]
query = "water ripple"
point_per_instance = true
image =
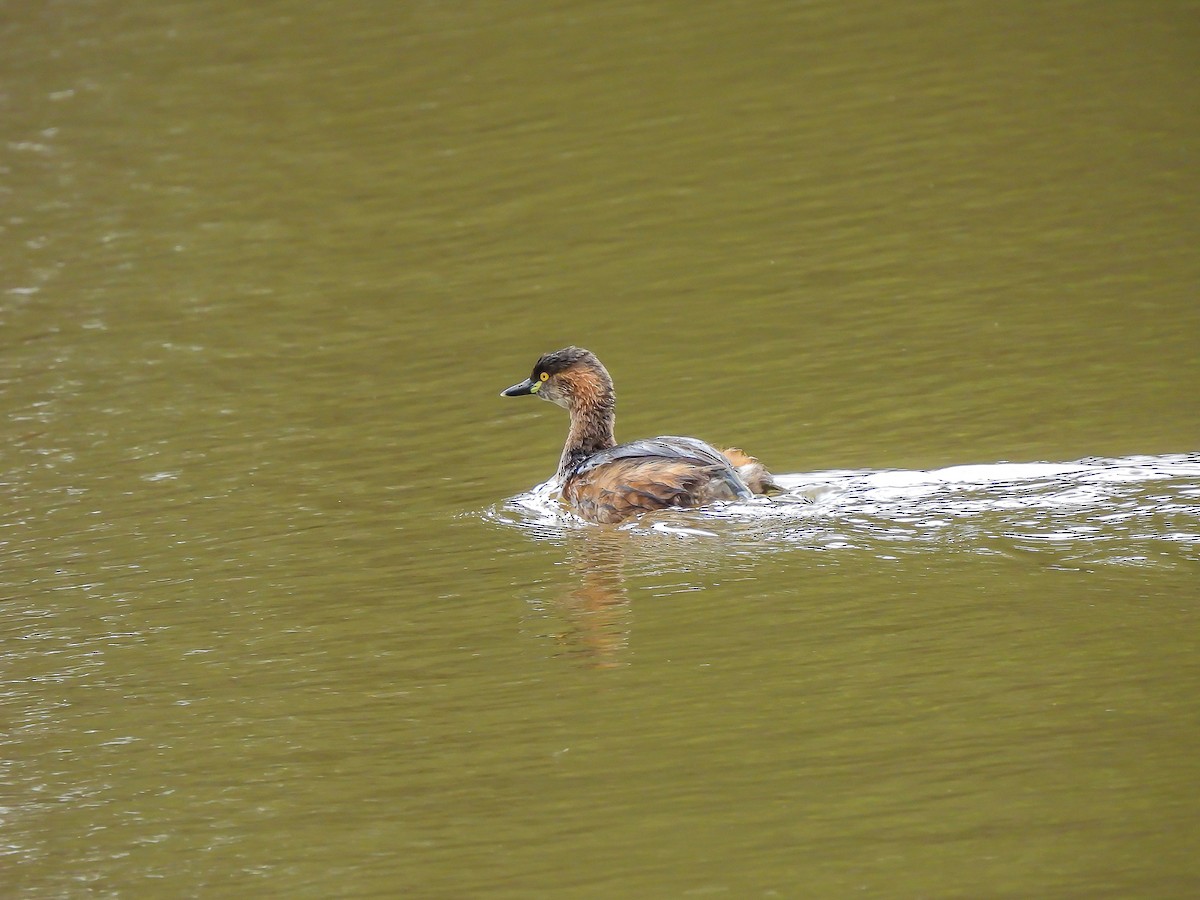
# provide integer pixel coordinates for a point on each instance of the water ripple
(1135, 511)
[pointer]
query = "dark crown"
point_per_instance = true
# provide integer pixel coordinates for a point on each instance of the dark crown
(559, 360)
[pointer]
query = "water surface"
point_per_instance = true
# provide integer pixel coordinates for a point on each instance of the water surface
(283, 614)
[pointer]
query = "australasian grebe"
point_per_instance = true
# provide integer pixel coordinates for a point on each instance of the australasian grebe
(604, 481)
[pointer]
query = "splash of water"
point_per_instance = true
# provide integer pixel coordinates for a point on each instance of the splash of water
(1138, 511)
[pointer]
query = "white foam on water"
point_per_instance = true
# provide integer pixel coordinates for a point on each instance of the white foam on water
(1139, 510)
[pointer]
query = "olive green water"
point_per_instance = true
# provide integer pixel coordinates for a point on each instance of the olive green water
(274, 624)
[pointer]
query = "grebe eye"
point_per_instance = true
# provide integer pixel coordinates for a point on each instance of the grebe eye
(545, 376)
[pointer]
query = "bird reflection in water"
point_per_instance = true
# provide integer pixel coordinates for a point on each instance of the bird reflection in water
(595, 605)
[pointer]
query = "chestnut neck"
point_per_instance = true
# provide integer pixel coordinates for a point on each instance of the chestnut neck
(591, 405)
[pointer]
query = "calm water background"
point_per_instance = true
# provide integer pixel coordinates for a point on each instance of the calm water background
(272, 623)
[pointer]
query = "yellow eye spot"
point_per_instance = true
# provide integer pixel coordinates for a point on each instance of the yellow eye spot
(544, 376)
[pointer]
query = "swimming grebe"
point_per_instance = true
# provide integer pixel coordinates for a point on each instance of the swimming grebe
(604, 481)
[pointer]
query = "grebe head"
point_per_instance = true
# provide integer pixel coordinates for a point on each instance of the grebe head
(571, 377)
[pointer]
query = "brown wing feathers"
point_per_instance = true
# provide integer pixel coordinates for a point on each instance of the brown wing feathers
(625, 487)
